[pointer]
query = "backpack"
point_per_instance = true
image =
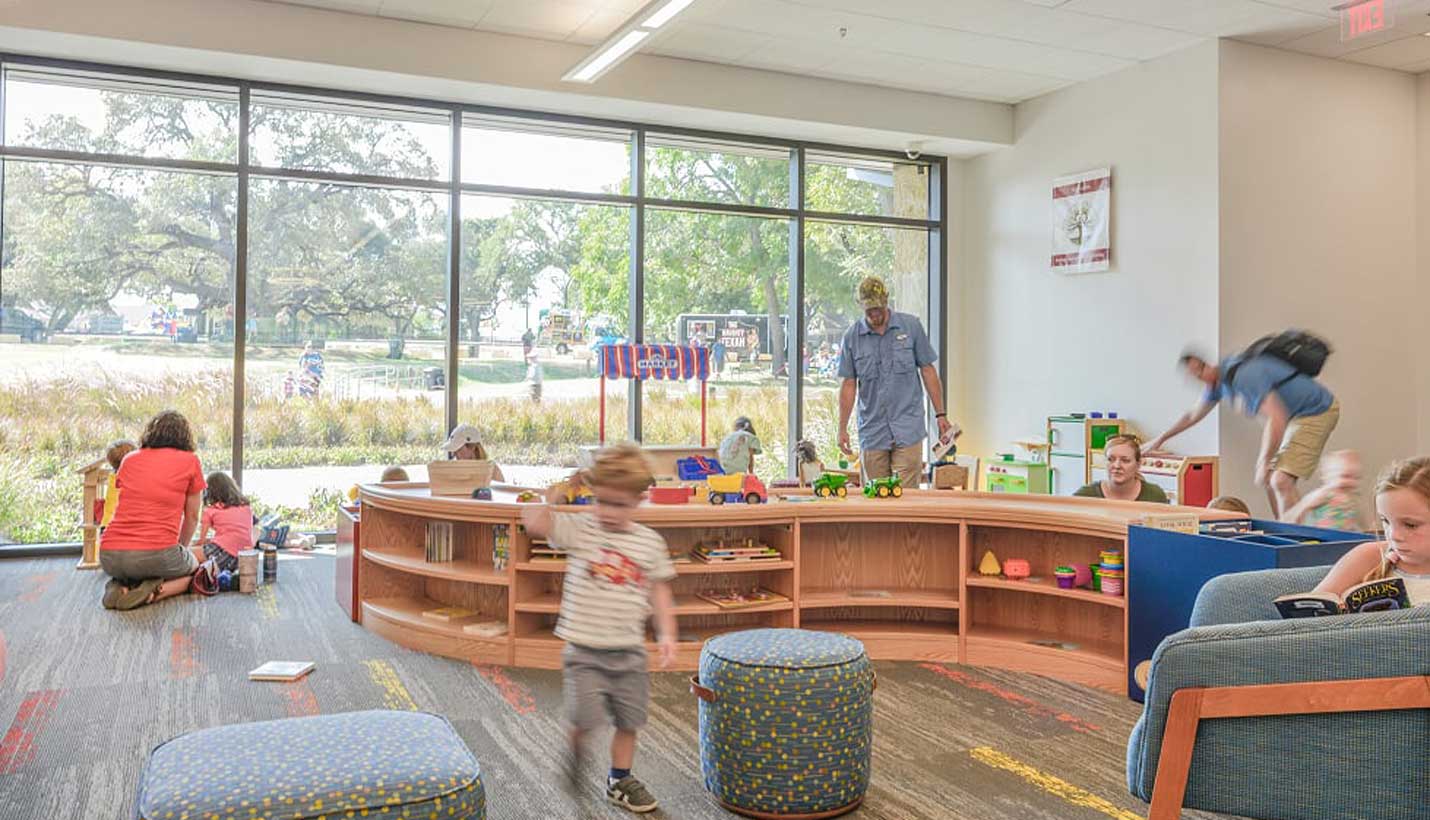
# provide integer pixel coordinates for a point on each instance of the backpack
(1305, 352)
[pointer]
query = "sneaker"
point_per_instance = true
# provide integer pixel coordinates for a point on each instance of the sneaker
(630, 794)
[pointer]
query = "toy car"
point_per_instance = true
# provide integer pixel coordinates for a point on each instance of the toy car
(482, 493)
(737, 487)
(527, 497)
(831, 484)
(884, 487)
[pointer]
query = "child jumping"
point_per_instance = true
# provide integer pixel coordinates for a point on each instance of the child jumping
(1336, 504)
(229, 517)
(1402, 501)
(616, 572)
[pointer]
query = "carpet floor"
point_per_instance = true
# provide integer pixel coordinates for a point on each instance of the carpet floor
(86, 693)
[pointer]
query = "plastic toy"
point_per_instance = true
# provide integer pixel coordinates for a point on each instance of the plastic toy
(1016, 569)
(1066, 576)
(831, 484)
(884, 487)
(737, 487)
(353, 493)
(697, 468)
(1083, 577)
(527, 497)
(671, 495)
(482, 493)
(989, 565)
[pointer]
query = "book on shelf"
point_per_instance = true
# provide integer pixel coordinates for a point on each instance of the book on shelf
(486, 629)
(712, 553)
(1174, 522)
(1237, 527)
(1370, 596)
(439, 541)
(740, 598)
(449, 614)
(281, 670)
(870, 593)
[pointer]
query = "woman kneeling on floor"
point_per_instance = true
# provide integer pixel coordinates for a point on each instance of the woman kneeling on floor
(142, 550)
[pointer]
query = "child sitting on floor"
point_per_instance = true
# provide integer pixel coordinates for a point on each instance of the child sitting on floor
(737, 450)
(1230, 503)
(114, 455)
(1402, 501)
(228, 515)
(1336, 504)
(394, 474)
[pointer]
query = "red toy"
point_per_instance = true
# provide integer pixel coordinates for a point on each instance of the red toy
(737, 487)
(1016, 569)
(671, 495)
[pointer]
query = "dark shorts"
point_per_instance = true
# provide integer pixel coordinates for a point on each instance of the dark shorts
(131, 566)
(601, 682)
(220, 557)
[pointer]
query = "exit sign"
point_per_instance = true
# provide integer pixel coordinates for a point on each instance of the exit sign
(1364, 17)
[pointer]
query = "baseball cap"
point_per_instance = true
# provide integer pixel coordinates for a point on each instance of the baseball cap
(462, 435)
(873, 293)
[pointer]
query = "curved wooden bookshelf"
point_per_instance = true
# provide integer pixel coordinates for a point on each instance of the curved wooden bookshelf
(899, 574)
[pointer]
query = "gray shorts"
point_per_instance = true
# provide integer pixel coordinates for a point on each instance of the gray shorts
(132, 566)
(601, 682)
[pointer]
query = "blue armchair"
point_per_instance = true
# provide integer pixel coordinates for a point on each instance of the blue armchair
(1334, 764)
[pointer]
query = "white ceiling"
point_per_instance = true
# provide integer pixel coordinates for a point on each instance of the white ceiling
(1002, 50)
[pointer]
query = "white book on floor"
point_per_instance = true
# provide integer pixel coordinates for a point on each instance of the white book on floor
(282, 670)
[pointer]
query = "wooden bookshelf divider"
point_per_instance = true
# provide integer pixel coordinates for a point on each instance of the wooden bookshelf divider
(901, 575)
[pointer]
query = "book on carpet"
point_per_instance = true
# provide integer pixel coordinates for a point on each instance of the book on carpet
(282, 670)
(449, 614)
(486, 629)
(1370, 596)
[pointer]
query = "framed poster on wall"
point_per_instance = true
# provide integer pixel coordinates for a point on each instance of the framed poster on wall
(1082, 216)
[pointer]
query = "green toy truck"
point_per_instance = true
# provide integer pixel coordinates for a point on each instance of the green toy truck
(884, 487)
(829, 485)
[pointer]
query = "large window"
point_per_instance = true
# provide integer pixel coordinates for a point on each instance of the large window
(390, 291)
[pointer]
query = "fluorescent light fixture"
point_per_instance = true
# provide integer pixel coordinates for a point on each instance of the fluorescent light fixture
(668, 11)
(625, 40)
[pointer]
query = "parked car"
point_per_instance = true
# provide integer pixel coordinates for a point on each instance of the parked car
(14, 322)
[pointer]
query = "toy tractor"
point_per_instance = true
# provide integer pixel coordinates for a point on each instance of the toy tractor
(884, 487)
(830, 485)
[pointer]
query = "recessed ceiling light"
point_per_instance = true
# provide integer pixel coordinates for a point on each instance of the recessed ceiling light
(625, 40)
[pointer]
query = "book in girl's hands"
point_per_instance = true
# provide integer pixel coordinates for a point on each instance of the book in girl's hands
(282, 670)
(1371, 596)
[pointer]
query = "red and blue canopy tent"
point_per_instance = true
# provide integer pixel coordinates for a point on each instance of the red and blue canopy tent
(669, 362)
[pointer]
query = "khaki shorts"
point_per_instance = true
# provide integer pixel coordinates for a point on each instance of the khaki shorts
(131, 566)
(600, 682)
(1304, 442)
(905, 462)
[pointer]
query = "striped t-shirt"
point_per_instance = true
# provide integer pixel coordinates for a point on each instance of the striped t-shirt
(606, 598)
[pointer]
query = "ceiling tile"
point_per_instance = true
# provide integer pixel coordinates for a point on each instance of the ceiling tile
(1210, 18)
(1409, 50)
(697, 41)
(537, 18)
(354, 6)
(460, 13)
(1001, 53)
(1133, 41)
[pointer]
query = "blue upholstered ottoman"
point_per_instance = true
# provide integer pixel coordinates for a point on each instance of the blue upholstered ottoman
(786, 722)
(380, 765)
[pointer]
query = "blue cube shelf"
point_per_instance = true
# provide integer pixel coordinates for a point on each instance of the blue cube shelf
(1166, 570)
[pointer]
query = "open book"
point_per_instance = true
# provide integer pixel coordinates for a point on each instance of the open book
(1370, 596)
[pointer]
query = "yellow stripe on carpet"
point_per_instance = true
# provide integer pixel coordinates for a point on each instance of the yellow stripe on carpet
(394, 694)
(1052, 785)
(267, 601)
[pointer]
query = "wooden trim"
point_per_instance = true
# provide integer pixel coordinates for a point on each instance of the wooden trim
(1191, 706)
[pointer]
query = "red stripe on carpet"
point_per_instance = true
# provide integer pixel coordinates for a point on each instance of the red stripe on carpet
(17, 747)
(182, 663)
(38, 585)
(300, 699)
(512, 692)
(1026, 704)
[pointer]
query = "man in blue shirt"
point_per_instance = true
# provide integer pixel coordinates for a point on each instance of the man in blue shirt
(1300, 414)
(886, 361)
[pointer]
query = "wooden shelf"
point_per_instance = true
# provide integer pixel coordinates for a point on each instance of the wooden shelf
(541, 566)
(863, 628)
(399, 619)
(550, 603)
(468, 571)
(1102, 653)
(698, 568)
(925, 598)
(1047, 586)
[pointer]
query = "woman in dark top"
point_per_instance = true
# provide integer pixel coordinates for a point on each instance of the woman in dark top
(1124, 474)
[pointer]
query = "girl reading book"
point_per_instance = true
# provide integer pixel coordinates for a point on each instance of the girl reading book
(1402, 502)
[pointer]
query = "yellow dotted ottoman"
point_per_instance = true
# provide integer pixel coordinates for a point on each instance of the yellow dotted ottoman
(786, 722)
(380, 765)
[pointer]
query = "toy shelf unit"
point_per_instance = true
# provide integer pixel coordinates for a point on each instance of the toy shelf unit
(892, 584)
(1189, 480)
(1008, 475)
(1072, 439)
(1170, 569)
(1033, 625)
(456, 607)
(735, 589)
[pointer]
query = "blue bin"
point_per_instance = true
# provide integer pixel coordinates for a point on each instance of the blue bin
(786, 722)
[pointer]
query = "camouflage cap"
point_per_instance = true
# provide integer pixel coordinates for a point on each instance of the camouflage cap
(873, 293)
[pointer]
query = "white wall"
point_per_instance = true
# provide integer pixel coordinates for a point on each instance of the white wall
(1422, 302)
(1034, 343)
(1318, 230)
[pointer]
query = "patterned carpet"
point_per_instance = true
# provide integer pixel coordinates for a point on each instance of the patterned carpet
(86, 693)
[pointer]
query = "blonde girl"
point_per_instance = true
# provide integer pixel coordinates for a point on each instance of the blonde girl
(1402, 503)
